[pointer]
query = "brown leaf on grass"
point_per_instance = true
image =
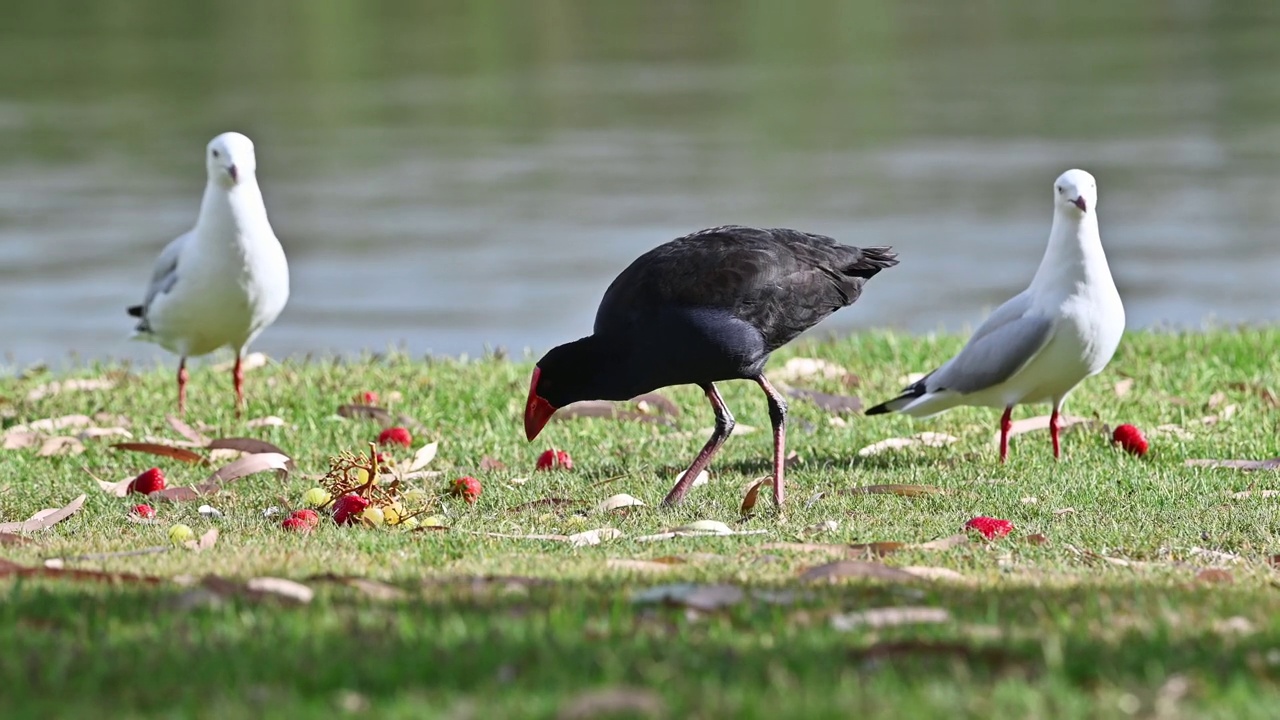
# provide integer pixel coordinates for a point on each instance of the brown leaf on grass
(1123, 387)
(691, 595)
(638, 565)
(656, 401)
(371, 412)
(699, 528)
(178, 494)
(593, 537)
(889, 617)
(250, 446)
(20, 440)
(846, 404)
(1035, 539)
(1041, 422)
(12, 539)
(607, 410)
(613, 702)
(544, 502)
(49, 425)
(488, 463)
(1272, 464)
(878, 549)
(1264, 393)
(12, 569)
(45, 518)
(186, 430)
(74, 385)
(423, 456)
(753, 494)
(896, 489)
(280, 588)
(946, 543)
(374, 589)
(934, 573)
(1215, 400)
(206, 541)
(268, 421)
(1214, 576)
(924, 439)
(176, 453)
(846, 569)
(619, 502)
(1226, 413)
(60, 445)
(248, 465)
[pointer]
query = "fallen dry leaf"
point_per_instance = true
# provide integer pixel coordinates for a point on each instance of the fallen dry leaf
(1214, 576)
(638, 565)
(20, 440)
(423, 456)
(691, 595)
(12, 539)
(249, 465)
(206, 541)
(374, 589)
(656, 402)
(846, 569)
(249, 446)
(1215, 400)
(268, 421)
(1041, 422)
(49, 425)
(924, 439)
(615, 502)
(282, 588)
(45, 518)
(753, 494)
(487, 464)
(895, 489)
(168, 451)
(381, 415)
(60, 445)
(889, 617)
(1123, 387)
(1272, 464)
(613, 702)
(12, 569)
(933, 573)
(186, 430)
(593, 537)
(74, 385)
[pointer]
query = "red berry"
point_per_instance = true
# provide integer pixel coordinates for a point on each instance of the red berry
(990, 527)
(395, 436)
(296, 524)
(1130, 438)
(553, 458)
(347, 509)
(144, 511)
(148, 482)
(306, 515)
(467, 488)
(368, 397)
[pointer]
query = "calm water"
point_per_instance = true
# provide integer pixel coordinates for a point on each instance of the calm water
(451, 175)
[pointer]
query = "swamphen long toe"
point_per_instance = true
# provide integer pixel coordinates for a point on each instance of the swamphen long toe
(706, 307)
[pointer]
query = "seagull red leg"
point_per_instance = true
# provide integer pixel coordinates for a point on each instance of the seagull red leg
(182, 385)
(1053, 432)
(724, 426)
(1006, 423)
(778, 416)
(237, 374)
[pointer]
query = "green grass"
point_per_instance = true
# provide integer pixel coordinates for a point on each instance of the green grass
(1035, 630)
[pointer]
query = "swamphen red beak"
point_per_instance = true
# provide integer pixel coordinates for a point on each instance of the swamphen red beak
(537, 411)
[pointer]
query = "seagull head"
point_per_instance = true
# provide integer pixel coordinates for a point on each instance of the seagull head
(229, 159)
(1075, 191)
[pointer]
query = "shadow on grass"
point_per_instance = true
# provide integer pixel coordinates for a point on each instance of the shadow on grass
(497, 642)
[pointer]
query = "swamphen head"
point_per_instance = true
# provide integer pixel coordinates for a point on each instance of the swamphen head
(568, 373)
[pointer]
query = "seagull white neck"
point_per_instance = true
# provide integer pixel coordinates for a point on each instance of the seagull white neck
(1074, 254)
(232, 210)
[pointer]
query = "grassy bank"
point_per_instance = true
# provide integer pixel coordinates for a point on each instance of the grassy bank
(1129, 587)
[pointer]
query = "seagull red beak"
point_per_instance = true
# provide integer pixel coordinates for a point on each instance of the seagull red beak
(537, 411)
(1080, 203)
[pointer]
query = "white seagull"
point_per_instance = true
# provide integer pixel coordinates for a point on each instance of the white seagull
(225, 280)
(1044, 341)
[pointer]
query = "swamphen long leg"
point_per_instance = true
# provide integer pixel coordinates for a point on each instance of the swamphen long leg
(724, 426)
(778, 416)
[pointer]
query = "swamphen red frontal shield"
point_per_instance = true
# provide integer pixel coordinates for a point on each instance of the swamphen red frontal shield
(706, 307)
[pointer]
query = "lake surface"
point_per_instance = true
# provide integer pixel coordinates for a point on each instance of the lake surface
(447, 176)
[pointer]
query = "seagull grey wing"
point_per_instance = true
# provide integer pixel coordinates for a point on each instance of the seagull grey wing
(994, 356)
(163, 276)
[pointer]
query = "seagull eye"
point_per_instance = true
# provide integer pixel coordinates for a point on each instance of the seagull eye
(215, 154)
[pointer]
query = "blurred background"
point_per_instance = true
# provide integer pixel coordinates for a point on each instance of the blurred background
(451, 175)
